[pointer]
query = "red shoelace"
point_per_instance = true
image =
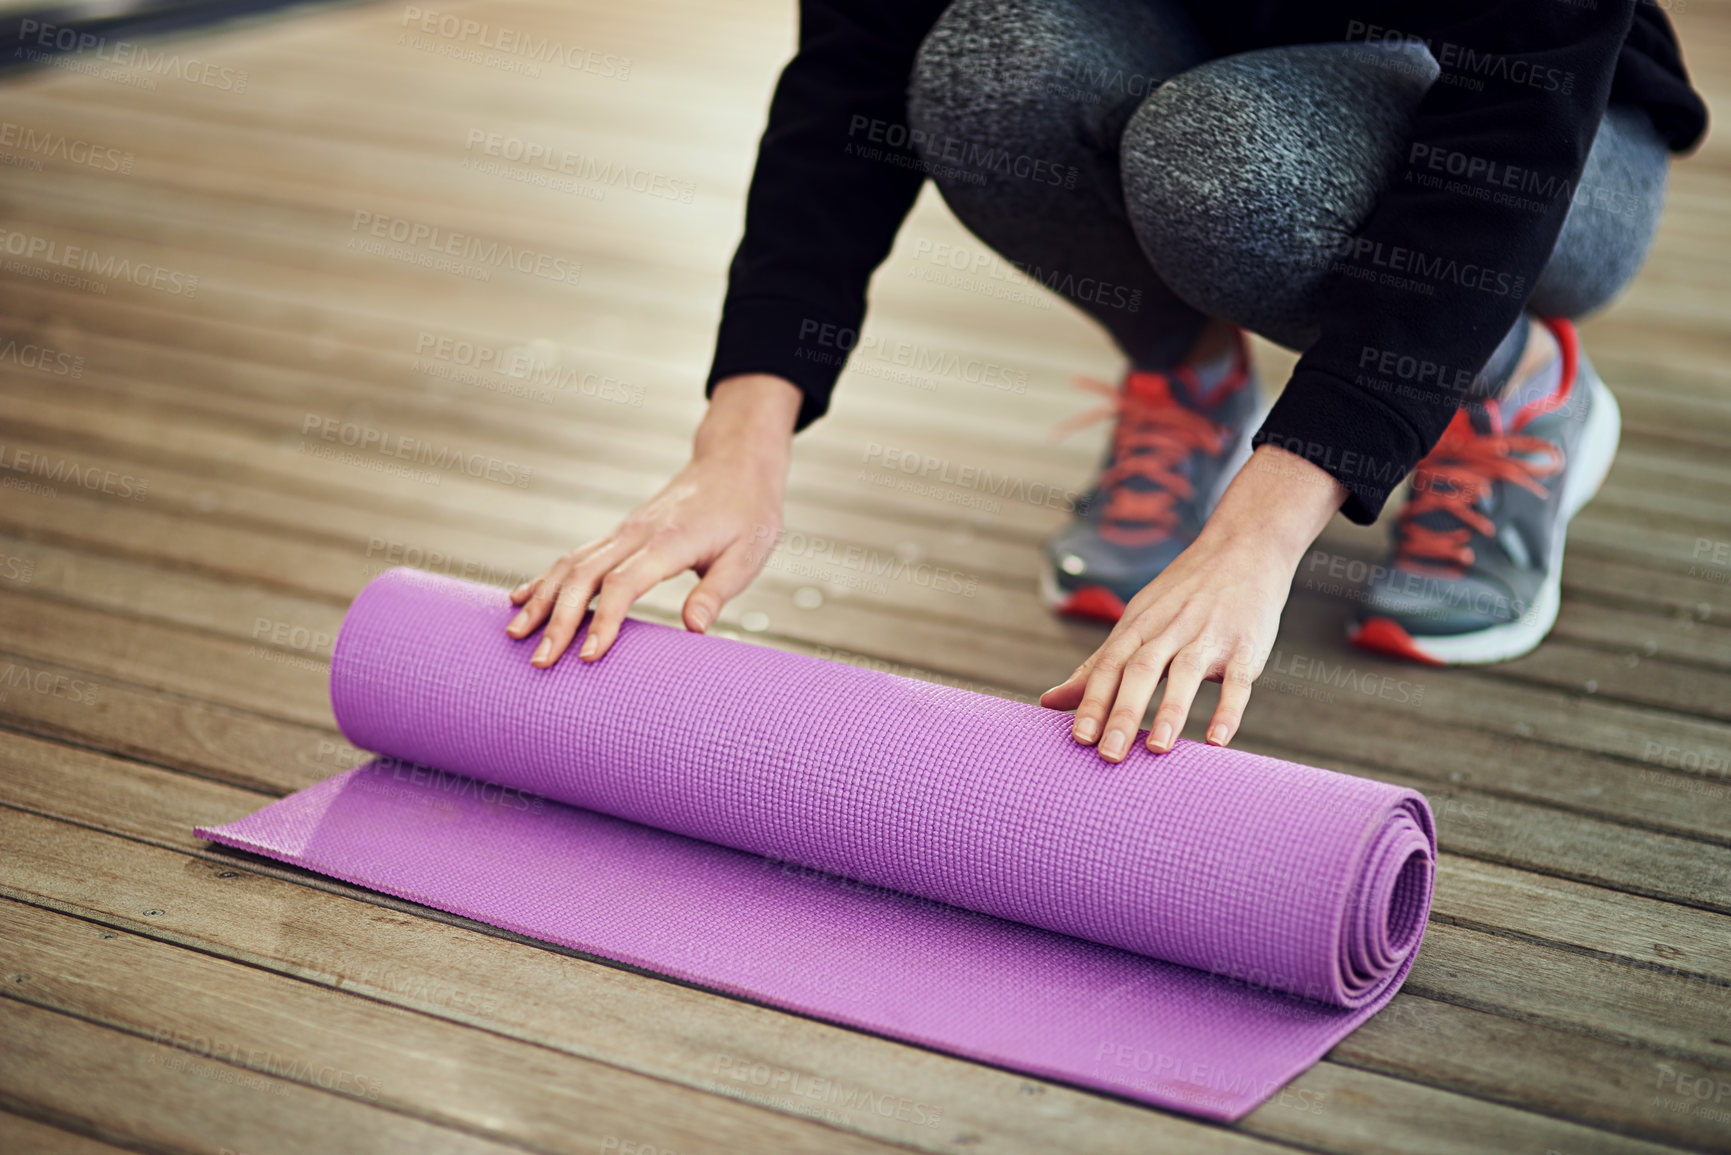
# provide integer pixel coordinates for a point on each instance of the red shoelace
(1453, 477)
(1154, 437)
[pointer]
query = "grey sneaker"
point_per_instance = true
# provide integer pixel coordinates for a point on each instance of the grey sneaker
(1175, 447)
(1476, 571)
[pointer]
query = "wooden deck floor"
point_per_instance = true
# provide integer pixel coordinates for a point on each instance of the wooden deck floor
(166, 613)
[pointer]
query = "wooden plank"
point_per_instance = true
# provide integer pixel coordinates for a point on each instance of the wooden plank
(51, 1061)
(193, 1007)
(18, 1133)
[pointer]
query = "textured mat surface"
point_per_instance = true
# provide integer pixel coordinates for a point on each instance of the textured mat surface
(927, 863)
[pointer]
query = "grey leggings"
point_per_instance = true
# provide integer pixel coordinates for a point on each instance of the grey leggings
(1152, 176)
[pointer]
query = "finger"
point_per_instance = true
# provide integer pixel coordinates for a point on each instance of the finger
(542, 592)
(628, 581)
(1190, 666)
(1102, 687)
(522, 592)
(1068, 693)
(572, 602)
(723, 581)
(1234, 696)
(540, 601)
(1135, 689)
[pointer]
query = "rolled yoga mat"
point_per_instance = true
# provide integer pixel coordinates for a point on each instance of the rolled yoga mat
(926, 863)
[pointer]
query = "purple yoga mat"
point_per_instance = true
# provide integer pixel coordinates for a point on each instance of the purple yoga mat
(931, 864)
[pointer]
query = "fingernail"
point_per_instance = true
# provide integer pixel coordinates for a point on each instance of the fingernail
(542, 650)
(1086, 729)
(518, 592)
(1163, 735)
(1217, 735)
(1113, 745)
(590, 645)
(518, 622)
(1059, 686)
(700, 615)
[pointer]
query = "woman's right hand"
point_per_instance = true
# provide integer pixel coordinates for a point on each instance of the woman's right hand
(720, 516)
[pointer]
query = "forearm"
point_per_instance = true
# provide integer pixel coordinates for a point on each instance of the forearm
(751, 419)
(1279, 502)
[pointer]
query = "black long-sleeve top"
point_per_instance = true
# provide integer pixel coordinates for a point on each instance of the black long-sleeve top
(1523, 88)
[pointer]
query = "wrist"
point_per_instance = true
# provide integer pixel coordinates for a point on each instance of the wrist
(1279, 500)
(751, 418)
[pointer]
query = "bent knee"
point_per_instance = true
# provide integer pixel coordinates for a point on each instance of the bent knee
(1245, 176)
(1014, 68)
(1612, 220)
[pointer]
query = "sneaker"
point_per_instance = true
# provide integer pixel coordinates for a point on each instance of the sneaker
(1175, 447)
(1476, 571)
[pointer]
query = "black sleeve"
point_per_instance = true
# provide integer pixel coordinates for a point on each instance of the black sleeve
(1420, 298)
(835, 178)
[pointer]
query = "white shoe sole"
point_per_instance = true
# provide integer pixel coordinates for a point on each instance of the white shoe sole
(1593, 458)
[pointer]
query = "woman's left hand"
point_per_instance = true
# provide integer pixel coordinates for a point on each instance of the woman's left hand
(1212, 615)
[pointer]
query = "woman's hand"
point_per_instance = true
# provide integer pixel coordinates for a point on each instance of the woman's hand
(719, 516)
(1212, 615)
